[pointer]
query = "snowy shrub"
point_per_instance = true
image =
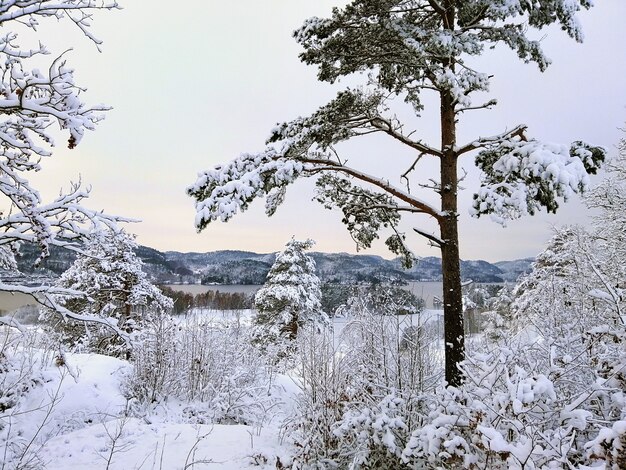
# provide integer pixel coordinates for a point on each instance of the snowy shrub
(508, 415)
(361, 388)
(324, 388)
(24, 357)
(570, 306)
(547, 390)
(209, 366)
(610, 446)
(375, 435)
(395, 360)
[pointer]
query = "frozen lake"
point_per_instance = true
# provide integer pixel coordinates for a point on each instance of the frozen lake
(428, 291)
(425, 290)
(10, 301)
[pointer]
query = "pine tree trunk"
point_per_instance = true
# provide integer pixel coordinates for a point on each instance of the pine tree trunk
(454, 334)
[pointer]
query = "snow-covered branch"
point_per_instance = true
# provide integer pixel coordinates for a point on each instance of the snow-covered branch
(522, 176)
(78, 12)
(47, 297)
(388, 128)
(417, 203)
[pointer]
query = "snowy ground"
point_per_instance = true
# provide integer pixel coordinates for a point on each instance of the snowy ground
(77, 423)
(73, 418)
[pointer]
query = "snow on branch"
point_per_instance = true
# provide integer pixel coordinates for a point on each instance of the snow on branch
(46, 296)
(63, 222)
(350, 114)
(303, 147)
(224, 190)
(34, 104)
(483, 142)
(78, 12)
(522, 176)
(407, 47)
(365, 212)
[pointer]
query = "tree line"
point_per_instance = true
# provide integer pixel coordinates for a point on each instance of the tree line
(184, 301)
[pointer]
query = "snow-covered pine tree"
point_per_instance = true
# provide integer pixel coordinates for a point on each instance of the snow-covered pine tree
(110, 274)
(39, 101)
(407, 48)
(290, 298)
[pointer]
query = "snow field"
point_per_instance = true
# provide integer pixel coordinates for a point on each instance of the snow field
(78, 417)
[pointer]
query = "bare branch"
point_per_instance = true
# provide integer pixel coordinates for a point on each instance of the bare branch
(385, 126)
(405, 175)
(433, 239)
(485, 141)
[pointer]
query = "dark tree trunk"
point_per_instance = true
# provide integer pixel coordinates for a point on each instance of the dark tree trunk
(454, 334)
(450, 264)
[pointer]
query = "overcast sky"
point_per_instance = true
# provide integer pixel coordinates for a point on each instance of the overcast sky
(197, 85)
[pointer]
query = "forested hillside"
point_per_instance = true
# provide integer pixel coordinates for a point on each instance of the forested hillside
(244, 267)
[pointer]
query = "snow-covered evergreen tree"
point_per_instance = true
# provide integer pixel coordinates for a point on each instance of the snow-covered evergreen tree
(407, 49)
(290, 298)
(110, 274)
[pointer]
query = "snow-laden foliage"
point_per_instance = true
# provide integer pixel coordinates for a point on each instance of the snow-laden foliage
(114, 287)
(509, 414)
(403, 49)
(36, 104)
(290, 298)
(209, 366)
(361, 387)
(570, 307)
(26, 399)
(521, 177)
(545, 387)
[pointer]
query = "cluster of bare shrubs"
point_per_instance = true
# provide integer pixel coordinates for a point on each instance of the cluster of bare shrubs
(209, 366)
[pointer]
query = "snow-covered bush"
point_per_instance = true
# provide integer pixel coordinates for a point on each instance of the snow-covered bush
(324, 391)
(610, 446)
(209, 366)
(362, 387)
(115, 288)
(509, 414)
(545, 388)
(24, 357)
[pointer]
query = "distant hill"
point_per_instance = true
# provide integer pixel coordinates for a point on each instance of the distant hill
(512, 270)
(244, 267)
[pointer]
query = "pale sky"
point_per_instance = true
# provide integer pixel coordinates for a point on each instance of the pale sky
(197, 85)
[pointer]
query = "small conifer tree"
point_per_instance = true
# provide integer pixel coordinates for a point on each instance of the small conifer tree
(110, 274)
(290, 298)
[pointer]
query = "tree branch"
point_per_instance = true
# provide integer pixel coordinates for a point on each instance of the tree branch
(486, 105)
(329, 165)
(433, 239)
(386, 127)
(485, 141)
